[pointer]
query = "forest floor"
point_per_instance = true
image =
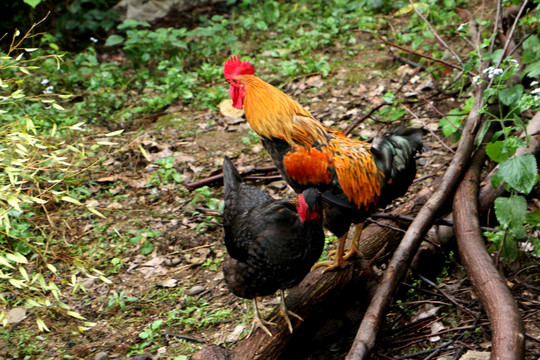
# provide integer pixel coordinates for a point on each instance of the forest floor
(173, 301)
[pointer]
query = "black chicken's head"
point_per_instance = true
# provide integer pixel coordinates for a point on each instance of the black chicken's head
(310, 205)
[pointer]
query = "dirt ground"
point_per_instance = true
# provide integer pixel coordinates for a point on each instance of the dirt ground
(181, 283)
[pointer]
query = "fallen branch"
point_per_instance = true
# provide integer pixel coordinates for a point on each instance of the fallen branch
(374, 316)
(219, 178)
(508, 331)
(446, 63)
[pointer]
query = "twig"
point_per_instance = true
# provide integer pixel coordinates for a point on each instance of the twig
(495, 26)
(185, 337)
(364, 117)
(430, 131)
(378, 106)
(423, 55)
(370, 220)
(395, 217)
(511, 34)
(374, 316)
(423, 352)
(443, 293)
(218, 178)
(441, 41)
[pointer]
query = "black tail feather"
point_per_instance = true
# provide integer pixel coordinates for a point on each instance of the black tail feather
(394, 155)
(231, 176)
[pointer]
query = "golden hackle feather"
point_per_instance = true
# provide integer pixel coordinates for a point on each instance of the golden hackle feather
(273, 114)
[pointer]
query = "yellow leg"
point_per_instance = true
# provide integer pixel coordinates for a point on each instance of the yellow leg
(338, 261)
(355, 241)
(257, 321)
(285, 312)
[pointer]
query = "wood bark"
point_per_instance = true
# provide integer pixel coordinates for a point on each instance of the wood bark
(495, 297)
(374, 316)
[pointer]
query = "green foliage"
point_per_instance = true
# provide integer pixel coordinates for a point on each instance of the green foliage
(38, 167)
(142, 237)
(165, 173)
(197, 314)
(452, 124)
(120, 300)
(210, 203)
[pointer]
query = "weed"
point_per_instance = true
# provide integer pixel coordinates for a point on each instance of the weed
(119, 300)
(142, 238)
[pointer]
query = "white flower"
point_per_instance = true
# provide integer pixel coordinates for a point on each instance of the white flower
(497, 72)
(534, 83)
(48, 90)
(44, 81)
(93, 39)
(476, 80)
(460, 27)
(489, 69)
(535, 91)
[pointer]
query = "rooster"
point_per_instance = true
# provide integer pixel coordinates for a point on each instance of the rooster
(354, 177)
(272, 244)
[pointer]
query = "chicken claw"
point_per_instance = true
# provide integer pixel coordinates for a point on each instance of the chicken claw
(258, 322)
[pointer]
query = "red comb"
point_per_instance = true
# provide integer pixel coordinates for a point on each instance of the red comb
(234, 66)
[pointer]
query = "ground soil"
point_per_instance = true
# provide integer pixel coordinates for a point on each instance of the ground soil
(184, 270)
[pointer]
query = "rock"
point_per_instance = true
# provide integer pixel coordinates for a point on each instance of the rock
(16, 315)
(102, 355)
(476, 355)
(197, 289)
(235, 335)
(212, 352)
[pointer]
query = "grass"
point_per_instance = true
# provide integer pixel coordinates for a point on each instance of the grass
(153, 70)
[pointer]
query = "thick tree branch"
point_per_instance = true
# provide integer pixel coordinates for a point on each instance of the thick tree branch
(374, 316)
(495, 297)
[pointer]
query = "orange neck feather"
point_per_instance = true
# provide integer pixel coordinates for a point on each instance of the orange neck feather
(273, 114)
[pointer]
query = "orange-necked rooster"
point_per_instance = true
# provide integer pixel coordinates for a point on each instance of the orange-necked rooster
(354, 177)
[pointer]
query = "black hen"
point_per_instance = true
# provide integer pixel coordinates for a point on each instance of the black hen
(272, 243)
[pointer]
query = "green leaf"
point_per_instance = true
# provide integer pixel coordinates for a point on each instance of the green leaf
(510, 212)
(520, 172)
(114, 40)
(147, 247)
(496, 151)
(509, 250)
(511, 96)
(533, 218)
(32, 3)
(532, 70)
(531, 49)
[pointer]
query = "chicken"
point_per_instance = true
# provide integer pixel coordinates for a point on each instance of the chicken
(354, 177)
(272, 244)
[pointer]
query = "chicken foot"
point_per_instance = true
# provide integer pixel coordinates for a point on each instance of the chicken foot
(258, 321)
(338, 260)
(353, 249)
(340, 257)
(286, 312)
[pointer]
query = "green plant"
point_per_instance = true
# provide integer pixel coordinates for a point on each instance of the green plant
(119, 299)
(165, 173)
(210, 203)
(142, 238)
(38, 169)
(197, 314)
(149, 335)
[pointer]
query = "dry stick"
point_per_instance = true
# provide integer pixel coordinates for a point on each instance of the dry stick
(441, 41)
(511, 34)
(374, 316)
(219, 178)
(494, 295)
(378, 106)
(422, 55)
